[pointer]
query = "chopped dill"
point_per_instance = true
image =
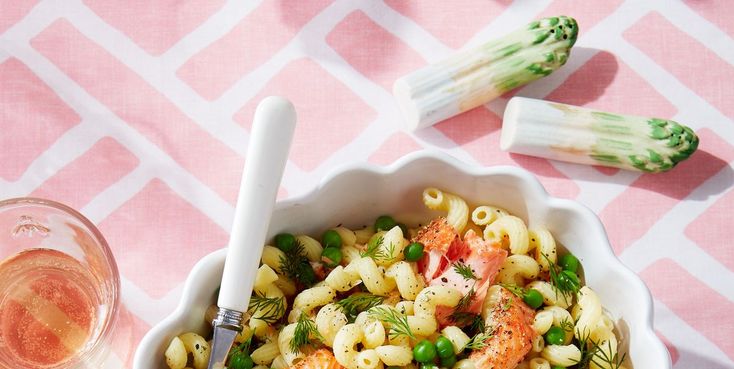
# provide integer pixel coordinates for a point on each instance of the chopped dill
(398, 322)
(507, 305)
(357, 303)
(593, 352)
(295, 265)
(603, 359)
(267, 309)
(465, 271)
(560, 280)
(373, 249)
(375, 252)
(567, 325)
(479, 340)
(516, 290)
(460, 316)
(305, 329)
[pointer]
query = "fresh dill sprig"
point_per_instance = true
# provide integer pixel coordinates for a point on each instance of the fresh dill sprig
(516, 290)
(465, 271)
(560, 281)
(295, 265)
(398, 322)
(375, 252)
(268, 309)
(604, 359)
(594, 352)
(462, 318)
(390, 254)
(373, 249)
(460, 315)
(587, 350)
(479, 340)
(305, 328)
(357, 303)
(466, 299)
(477, 324)
(567, 325)
(507, 305)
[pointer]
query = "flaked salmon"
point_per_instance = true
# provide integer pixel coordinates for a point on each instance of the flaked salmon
(319, 359)
(512, 334)
(445, 251)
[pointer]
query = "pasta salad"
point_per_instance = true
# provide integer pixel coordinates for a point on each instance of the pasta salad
(475, 288)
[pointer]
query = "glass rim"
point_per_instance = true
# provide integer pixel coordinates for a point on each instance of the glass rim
(110, 323)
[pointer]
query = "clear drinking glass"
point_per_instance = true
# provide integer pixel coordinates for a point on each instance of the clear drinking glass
(59, 287)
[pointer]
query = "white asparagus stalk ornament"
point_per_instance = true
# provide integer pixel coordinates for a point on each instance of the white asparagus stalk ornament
(585, 136)
(474, 77)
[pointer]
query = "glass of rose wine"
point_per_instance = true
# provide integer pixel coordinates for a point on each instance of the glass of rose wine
(59, 287)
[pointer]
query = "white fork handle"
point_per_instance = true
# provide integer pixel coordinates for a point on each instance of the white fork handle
(270, 141)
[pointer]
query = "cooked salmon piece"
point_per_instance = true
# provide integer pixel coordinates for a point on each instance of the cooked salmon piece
(319, 359)
(439, 240)
(483, 260)
(511, 321)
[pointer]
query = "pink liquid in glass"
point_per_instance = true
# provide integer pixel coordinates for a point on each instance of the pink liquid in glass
(48, 304)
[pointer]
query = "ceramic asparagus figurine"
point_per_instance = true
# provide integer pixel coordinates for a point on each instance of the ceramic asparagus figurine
(579, 135)
(474, 77)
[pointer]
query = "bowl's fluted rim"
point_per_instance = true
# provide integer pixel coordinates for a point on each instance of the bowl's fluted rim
(644, 297)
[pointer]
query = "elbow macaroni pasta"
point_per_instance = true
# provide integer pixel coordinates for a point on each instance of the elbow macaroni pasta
(395, 355)
(177, 353)
(423, 322)
(374, 278)
(587, 312)
(409, 283)
(308, 300)
(551, 295)
(341, 280)
(456, 208)
(485, 214)
(509, 230)
(517, 268)
(328, 322)
(545, 247)
(349, 238)
(564, 356)
(458, 338)
(311, 246)
(265, 354)
(344, 345)
(368, 359)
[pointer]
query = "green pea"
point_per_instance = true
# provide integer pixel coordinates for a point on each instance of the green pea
(428, 366)
(569, 262)
(414, 251)
(241, 360)
(558, 367)
(444, 347)
(572, 277)
(555, 336)
(448, 362)
(331, 238)
(285, 242)
(384, 223)
(424, 352)
(533, 298)
(331, 256)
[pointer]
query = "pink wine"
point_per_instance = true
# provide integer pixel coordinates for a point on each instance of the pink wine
(48, 305)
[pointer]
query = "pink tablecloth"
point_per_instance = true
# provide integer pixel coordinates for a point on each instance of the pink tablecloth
(137, 113)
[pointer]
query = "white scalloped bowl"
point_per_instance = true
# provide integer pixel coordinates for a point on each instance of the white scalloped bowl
(356, 195)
